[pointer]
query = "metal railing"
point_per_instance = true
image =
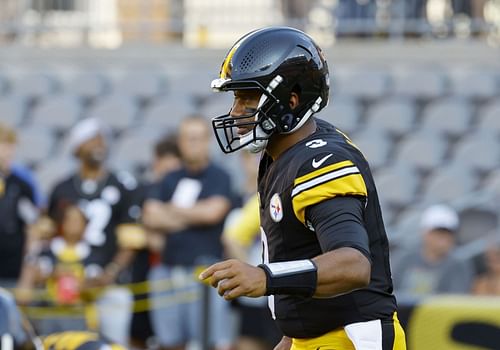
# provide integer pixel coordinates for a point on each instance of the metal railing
(215, 23)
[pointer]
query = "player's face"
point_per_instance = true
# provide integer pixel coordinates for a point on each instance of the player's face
(7, 150)
(245, 103)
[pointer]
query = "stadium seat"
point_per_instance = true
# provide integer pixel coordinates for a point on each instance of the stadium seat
(405, 232)
(58, 112)
(217, 105)
(116, 111)
(480, 85)
(490, 117)
(397, 185)
(88, 86)
(447, 184)
(451, 116)
(53, 170)
(362, 84)
(35, 144)
(424, 149)
(375, 145)
(478, 151)
(35, 85)
(423, 84)
(135, 148)
(343, 112)
(395, 115)
(12, 110)
(476, 222)
(169, 112)
(143, 86)
(4, 84)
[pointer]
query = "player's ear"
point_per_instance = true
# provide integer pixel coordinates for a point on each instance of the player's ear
(294, 100)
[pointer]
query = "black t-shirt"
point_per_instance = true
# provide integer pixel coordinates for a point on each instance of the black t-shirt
(107, 203)
(16, 201)
(324, 166)
(196, 244)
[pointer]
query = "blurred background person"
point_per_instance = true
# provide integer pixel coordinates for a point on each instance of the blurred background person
(189, 207)
(105, 197)
(432, 268)
(61, 269)
(241, 238)
(488, 282)
(166, 159)
(17, 210)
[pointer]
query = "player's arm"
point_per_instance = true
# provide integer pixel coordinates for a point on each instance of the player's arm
(345, 265)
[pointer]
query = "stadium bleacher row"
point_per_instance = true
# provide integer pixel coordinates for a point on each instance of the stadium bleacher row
(430, 134)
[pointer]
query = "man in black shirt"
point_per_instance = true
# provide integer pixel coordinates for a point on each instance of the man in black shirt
(106, 199)
(17, 209)
(326, 256)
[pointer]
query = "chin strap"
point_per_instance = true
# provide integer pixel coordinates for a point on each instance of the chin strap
(314, 108)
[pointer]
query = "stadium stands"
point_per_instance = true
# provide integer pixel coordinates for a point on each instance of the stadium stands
(430, 134)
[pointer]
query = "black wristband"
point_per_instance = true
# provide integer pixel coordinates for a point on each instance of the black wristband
(297, 277)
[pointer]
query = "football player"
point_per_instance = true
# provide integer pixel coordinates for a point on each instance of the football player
(326, 256)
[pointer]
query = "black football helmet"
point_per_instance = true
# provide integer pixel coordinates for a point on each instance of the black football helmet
(276, 61)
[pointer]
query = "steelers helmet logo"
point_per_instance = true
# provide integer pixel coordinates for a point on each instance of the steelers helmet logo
(276, 208)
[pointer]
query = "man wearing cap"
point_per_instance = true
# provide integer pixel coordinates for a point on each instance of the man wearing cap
(105, 198)
(432, 268)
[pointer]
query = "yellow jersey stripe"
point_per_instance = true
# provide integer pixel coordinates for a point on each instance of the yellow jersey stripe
(324, 178)
(348, 185)
(322, 171)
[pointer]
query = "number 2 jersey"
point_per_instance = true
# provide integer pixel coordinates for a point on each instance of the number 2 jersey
(107, 203)
(323, 166)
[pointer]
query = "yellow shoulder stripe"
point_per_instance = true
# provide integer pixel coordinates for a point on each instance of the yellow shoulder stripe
(322, 171)
(349, 183)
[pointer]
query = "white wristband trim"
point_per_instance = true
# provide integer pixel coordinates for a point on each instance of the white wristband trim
(290, 267)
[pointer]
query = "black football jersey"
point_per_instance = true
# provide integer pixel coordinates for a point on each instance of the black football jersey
(107, 203)
(16, 203)
(324, 165)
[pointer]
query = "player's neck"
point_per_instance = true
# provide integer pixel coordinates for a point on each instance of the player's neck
(279, 143)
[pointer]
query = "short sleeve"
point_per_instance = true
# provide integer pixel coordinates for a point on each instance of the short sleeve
(325, 177)
(338, 223)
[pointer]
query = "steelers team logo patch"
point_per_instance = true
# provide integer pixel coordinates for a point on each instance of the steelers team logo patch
(276, 208)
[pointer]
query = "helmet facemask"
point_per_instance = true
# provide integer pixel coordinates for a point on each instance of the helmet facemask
(262, 126)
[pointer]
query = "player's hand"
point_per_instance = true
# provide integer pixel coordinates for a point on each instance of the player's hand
(234, 278)
(284, 344)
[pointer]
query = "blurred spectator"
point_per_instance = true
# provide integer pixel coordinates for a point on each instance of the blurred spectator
(166, 159)
(356, 17)
(432, 268)
(61, 268)
(13, 327)
(488, 283)
(27, 175)
(106, 200)
(189, 206)
(17, 209)
(241, 237)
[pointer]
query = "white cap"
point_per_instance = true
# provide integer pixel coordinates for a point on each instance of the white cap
(440, 217)
(85, 130)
